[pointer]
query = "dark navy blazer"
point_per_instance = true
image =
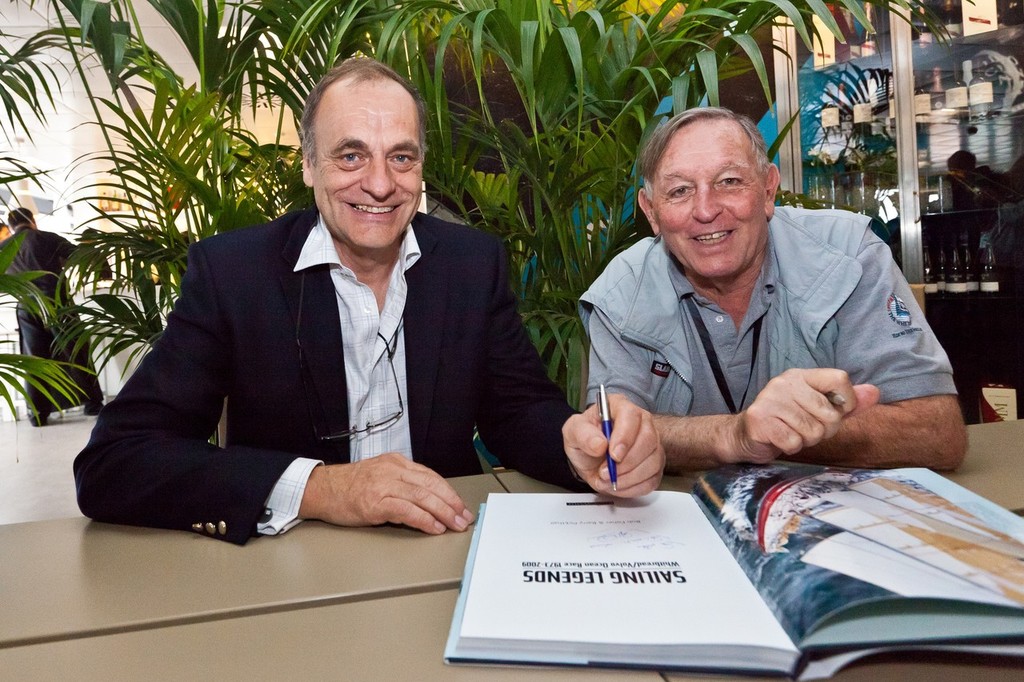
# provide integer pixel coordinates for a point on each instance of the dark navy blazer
(232, 334)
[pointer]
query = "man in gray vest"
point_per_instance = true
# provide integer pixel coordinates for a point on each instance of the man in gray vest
(755, 331)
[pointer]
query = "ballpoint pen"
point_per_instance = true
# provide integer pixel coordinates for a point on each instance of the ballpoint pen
(835, 398)
(606, 426)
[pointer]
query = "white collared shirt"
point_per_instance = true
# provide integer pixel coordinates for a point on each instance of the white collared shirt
(372, 386)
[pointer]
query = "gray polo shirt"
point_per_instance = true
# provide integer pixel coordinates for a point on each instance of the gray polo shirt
(733, 347)
(906, 363)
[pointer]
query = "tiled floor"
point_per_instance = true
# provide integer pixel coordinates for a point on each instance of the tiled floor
(35, 467)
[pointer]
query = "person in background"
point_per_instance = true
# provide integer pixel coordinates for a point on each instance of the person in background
(359, 346)
(754, 331)
(48, 252)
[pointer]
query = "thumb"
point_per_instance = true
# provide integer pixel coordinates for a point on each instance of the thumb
(867, 396)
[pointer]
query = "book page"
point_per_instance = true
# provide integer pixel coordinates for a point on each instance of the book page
(818, 540)
(589, 570)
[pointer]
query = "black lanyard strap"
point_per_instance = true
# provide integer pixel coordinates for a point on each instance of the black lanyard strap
(709, 351)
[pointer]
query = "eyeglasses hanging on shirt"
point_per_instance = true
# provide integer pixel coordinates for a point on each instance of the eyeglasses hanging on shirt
(329, 436)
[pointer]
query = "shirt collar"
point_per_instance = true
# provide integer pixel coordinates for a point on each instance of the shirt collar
(318, 249)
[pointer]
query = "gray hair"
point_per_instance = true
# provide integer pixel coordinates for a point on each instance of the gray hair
(653, 149)
(360, 70)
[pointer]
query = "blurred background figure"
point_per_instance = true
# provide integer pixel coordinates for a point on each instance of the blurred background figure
(48, 252)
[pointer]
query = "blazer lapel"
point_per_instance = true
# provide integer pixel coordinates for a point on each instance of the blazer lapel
(424, 320)
(314, 314)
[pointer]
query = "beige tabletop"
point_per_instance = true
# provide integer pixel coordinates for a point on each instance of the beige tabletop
(993, 468)
(73, 578)
(394, 639)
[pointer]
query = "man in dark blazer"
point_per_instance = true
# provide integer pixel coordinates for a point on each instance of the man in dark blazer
(47, 252)
(264, 324)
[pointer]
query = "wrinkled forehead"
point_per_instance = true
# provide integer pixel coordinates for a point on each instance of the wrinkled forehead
(371, 116)
(707, 147)
(377, 104)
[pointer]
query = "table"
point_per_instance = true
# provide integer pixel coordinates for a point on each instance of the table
(994, 466)
(87, 601)
(397, 638)
(75, 578)
(394, 638)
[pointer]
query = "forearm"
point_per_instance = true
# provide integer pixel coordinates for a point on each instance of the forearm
(927, 432)
(693, 443)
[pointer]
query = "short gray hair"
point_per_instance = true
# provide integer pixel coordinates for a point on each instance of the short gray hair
(360, 70)
(653, 149)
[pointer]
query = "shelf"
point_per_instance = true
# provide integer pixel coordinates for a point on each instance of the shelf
(966, 298)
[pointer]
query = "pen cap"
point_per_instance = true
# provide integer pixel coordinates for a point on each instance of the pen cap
(602, 403)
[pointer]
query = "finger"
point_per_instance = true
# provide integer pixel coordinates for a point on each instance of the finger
(867, 397)
(644, 453)
(585, 443)
(628, 421)
(834, 385)
(427, 484)
(816, 417)
(642, 478)
(789, 434)
(421, 508)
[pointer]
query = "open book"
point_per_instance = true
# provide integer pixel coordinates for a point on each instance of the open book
(781, 569)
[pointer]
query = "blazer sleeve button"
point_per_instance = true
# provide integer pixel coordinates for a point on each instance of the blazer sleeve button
(222, 528)
(210, 528)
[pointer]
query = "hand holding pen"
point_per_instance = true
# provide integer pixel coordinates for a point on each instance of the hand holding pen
(632, 454)
(606, 426)
(797, 409)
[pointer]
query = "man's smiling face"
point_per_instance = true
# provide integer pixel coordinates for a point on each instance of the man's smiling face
(711, 203)
(367, 172)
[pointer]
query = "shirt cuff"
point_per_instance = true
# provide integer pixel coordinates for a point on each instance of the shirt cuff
(282, 507)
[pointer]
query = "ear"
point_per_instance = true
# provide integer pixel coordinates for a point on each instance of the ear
(307, 171)
(644, 199)
(771, 188)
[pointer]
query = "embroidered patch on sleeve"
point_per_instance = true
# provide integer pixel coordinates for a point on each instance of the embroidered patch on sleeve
(898, 312)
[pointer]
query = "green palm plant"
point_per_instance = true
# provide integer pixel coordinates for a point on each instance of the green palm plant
(551, 103)
(536, 109)
(26, 96)
(185, 165)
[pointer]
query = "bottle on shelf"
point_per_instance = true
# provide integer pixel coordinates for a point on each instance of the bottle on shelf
(979, 93)
(940, 268)
(862, 119)
(937, 92)
(988, 276)
(890, 124)
(919, 30)
(956, 276)
(922, 102)
(952, 17)
(956, 96)
(970, 271)
(930, 287)
(845, 113)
